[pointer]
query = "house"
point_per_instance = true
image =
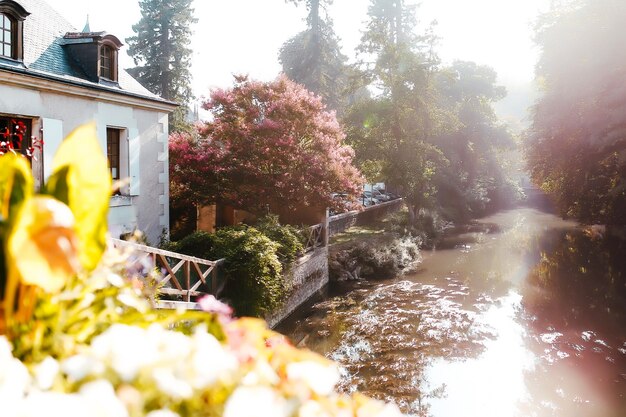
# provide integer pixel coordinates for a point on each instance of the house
(54, 78)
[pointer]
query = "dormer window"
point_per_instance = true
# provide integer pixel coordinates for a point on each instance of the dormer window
(12, 17)
(107, 61)
(108, 47)
(95, 53)
(7, 30)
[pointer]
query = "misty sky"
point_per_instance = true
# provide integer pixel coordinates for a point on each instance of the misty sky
(244, 36)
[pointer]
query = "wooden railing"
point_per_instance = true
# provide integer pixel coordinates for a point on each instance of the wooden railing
(199, 276)
(314, 237)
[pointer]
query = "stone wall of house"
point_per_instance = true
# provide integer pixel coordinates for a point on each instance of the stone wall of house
(307, 276)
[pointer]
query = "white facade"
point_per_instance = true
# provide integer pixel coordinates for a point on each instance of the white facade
(56, 108)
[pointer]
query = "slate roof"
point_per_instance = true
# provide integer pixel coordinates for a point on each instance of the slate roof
(44, 29)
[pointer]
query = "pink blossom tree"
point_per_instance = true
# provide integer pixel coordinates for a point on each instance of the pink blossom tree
(269, 145)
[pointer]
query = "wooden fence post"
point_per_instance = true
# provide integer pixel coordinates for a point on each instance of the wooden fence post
(326, 230)
(214, 286)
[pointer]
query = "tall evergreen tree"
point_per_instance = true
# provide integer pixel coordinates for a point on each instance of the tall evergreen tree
(313, 57)
(161, 52)
(396, 126)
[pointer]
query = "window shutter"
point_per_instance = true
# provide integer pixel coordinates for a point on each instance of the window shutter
(52, 138)
(134, 156)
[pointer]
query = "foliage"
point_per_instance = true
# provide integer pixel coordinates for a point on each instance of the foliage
(78, 341)
(269, 145)
(430, 132)
(289, 238)
(313, 57)
(255, 258)
(160, 49)
(576, 149)
(476, 178)
(395, 128)
(199, 244)
(255, 283)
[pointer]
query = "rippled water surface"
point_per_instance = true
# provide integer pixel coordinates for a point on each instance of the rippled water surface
(524, 319)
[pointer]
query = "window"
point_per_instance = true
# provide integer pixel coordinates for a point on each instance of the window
(7, 32)
(107, 60)
(12, 16)
(113, 152)
(15, 134)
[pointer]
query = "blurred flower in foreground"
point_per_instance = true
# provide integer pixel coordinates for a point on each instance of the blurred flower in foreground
(44, 231)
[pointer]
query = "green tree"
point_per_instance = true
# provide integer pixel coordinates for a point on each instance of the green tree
(161, 52)
(393, 130)
(475, 180)
(576, 145)
(313, 57)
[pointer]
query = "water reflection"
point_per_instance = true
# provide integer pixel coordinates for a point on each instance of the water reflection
(527, 321)
(575, 306)
(386, 334)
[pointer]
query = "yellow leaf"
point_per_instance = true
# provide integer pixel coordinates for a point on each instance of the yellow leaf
(16, 183)
(81, 179)
(42, 245)
(16, 187)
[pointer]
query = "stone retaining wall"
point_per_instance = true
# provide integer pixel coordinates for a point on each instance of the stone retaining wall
(306, 276)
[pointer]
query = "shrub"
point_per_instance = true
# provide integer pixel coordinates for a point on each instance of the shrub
(253, 270)
(255, 283)
(199, 244)
(289, 238)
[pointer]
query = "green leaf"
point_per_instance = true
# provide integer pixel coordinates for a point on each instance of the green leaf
(81, 179)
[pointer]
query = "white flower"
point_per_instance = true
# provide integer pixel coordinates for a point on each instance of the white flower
(102, 399)
(162, 413)
(210, 360)
(55, 404)
(95, 399)
(257, 402)
(320, 378)
(14, 377)
(128, 349)
(312, 409)
(169, 384)
(78, 367)
(46, 372)
(262, 374)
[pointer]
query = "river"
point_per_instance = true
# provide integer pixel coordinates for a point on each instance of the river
(525, 316)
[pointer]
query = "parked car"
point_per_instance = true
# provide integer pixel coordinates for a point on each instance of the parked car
(368, 199)
(380, 195)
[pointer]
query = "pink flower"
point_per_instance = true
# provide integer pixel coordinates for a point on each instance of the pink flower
(210, 304)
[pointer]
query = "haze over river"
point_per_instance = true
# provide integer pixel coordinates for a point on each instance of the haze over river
(522, 316)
